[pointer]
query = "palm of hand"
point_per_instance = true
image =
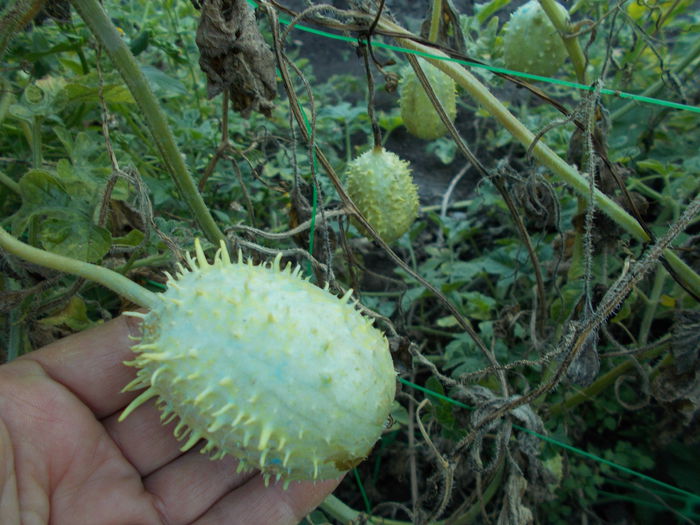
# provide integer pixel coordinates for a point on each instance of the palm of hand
(65, 459)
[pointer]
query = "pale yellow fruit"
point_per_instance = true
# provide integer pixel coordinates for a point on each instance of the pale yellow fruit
(264, 366)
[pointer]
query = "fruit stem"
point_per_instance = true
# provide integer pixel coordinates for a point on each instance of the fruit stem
(107, 35)
(112, 280)
(436, 14)
(563, 25)
(545, 155)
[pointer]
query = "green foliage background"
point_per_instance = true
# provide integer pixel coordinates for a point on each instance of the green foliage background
(69, 188)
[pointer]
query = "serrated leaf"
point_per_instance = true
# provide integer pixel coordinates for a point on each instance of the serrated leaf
(443, 409)
(568, 298)
(342, 111)
(65, 212)
(42, 193)
(447, 321)
(444, 149)
(478, 305)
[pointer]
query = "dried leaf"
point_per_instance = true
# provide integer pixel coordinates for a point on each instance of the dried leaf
(234, 56)
(685, 344)
(513, 512)
(585, 367)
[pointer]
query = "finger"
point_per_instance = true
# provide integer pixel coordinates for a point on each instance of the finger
(255, 503)
(187, 487)
(143, 440)
(90, 364)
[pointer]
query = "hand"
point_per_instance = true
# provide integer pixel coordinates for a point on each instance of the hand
(65, 459)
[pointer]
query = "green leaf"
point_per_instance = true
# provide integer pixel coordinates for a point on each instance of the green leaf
(569, 296)
(478, 305)
(73, 235)
(42, 193)
(73, 315)
(442, 409)
(64, 216)
(131, 239)
(85, 89)
(163, 84)
(444, 149)
(485, 10)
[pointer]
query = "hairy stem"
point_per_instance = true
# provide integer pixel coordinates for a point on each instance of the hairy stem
(14, 18)
(112, 280)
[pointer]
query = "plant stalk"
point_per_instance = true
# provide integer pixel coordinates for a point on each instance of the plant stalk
(435, 16)
(563, 25)
(9, 183)
(112, 280)
(104, 31)
(14, 17)
(340, 511)
(650, 310)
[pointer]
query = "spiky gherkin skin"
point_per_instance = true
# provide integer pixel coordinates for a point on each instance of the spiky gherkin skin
(265, 367)
(381, 186)
(531, 43)
(417, 111)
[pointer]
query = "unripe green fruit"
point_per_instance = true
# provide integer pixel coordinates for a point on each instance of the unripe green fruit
(417, 111)
(381, 186)
(531, 43)
(266, 367)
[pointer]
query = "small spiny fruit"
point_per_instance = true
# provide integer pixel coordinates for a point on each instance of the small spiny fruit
(417, 111)
(266, 367)
(381, 186)
(531, 43)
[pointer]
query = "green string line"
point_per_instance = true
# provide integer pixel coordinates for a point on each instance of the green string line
(689, 495)
(314, 196)
(365, 499)
(614, 497)
(493, 69)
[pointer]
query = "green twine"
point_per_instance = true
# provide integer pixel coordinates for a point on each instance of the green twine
(365, 499)
(314, 196)
(576, 85)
